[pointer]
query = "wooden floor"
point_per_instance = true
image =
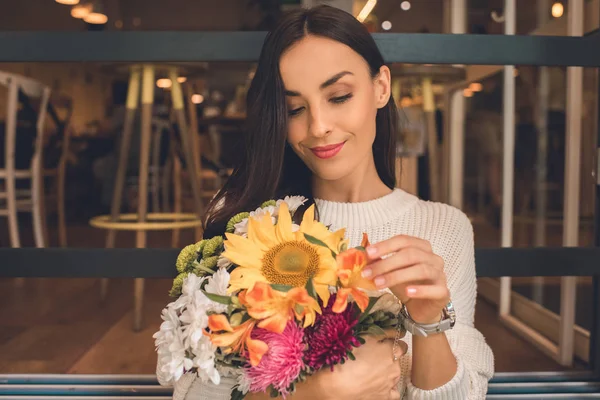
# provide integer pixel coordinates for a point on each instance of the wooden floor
(62, 326)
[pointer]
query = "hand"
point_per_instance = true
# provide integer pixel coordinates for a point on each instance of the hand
(413, 273)
(373, 375)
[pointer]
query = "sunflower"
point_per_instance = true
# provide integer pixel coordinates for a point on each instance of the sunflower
(274, 254)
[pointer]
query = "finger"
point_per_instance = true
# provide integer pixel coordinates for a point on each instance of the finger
(415, 274)
(429, 292)
(395, 244)
(401, 349)
(403, 258)
(395, 394)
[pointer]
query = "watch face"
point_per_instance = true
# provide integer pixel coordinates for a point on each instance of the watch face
(450, 313)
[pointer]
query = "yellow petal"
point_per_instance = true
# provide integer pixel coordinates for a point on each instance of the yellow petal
(244, 278)
(323, 292)
(326, 276)
(262, 232)
(284, 224)
(308, 218)
(242, 251)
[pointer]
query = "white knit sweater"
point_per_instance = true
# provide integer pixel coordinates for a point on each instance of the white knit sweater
(451, 235)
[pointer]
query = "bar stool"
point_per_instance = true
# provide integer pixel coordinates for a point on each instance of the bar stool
(30, 200)
(142, 222)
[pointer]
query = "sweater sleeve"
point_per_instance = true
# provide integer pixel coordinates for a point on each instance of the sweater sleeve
(474, 357)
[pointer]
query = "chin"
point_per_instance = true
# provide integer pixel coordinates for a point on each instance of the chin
(331, 172)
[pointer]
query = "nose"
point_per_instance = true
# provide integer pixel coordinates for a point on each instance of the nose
(318, 126)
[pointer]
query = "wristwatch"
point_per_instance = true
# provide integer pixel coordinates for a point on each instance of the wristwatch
(447, 322)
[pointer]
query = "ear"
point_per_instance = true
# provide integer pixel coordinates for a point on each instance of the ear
(383, 86)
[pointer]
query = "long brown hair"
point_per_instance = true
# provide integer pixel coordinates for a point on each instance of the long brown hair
(269, 168)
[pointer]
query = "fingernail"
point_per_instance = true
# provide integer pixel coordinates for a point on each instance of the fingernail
(379, 281)
(367, 272)
(411, 291)
(371, 251)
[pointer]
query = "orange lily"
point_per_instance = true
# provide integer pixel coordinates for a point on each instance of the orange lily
(236, 340)
(350, 265)
(274, 309)
(365, 240)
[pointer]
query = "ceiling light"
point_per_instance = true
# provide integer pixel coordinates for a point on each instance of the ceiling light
(97, 16)
(557, 10)
(467, 93)
(164, 83)
(364, 13)
(475, 87)
(405, 5)
(68, 2)
(386, 25)
(181, 79)
(81, 11)
(197, 98)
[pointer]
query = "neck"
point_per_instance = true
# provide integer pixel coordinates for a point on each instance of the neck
(362, 184)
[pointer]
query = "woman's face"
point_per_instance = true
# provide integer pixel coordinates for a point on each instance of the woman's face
(332, 102)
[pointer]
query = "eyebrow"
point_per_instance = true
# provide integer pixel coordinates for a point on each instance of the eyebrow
(323, 85)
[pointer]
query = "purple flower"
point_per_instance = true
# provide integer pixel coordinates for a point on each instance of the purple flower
(331, 337)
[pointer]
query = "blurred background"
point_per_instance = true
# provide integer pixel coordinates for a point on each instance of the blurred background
(454, 120)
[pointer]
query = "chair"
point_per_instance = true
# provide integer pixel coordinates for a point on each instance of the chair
(32, 199)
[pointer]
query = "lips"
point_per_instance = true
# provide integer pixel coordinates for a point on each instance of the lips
(327, 151)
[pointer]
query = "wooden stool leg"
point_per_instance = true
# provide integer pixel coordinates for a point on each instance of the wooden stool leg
(140, 241)
(130, 111)
(166, 181)
(60, 200)
(155, 170)
(61, 178)
(197, 151)
(186, 142)
(177, 198)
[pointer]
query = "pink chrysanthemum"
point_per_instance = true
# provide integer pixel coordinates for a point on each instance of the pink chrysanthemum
(332, 337)
(282, 363)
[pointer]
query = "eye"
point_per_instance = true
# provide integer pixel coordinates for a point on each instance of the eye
(295, 111)
(341, 99)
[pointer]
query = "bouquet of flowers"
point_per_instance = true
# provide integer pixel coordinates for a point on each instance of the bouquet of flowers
(270, 303)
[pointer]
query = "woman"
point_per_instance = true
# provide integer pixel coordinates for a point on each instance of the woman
(321, 123)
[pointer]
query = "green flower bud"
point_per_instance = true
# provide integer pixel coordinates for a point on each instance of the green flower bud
(212, 247)
(186, 258)
(235, 319)
(268, 203)
(379, 315)
(236, 219)
(206, 266)
(200, 246)
(178, 284)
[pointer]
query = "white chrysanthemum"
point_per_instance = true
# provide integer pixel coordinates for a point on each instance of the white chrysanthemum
(223, 263)
(293, 202)
(204, 361)
(195, 320)
(244, 383)
(168, 329)
(217, 284)
(179, 363)
(241, 228)
(190, 288)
